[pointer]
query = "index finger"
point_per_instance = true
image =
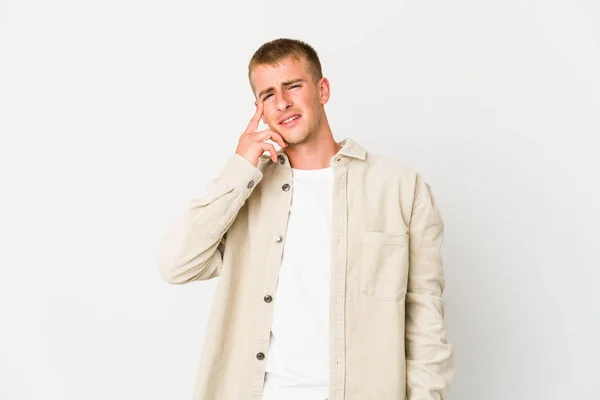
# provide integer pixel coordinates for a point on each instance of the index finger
(253, 125)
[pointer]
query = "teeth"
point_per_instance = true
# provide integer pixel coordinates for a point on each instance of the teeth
(291, 119)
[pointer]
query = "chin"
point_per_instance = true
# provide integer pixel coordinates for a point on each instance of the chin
(296, 139)
(289, 137)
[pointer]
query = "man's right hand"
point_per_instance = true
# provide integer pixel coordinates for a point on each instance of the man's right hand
(252, 143)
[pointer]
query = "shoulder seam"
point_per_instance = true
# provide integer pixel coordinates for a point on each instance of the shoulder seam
(423, 196)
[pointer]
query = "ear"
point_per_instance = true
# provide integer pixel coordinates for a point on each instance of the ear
(324, 90)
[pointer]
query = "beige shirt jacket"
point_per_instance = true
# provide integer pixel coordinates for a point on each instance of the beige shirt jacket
(387, 336)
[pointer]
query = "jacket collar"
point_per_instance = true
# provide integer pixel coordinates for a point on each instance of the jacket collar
(351, 148)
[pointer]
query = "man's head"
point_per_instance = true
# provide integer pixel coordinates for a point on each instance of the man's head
(285, 75)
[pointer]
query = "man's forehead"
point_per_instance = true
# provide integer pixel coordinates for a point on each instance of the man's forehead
(279, 72)
(276, 80)
(282, 67)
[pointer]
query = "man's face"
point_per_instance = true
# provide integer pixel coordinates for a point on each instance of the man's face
(287, 90)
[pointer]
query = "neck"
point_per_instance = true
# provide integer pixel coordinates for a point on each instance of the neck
(316, 152)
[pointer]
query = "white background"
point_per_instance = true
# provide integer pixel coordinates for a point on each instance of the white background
(114, 114)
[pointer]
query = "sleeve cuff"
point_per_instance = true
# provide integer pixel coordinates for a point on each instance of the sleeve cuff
(241, 174)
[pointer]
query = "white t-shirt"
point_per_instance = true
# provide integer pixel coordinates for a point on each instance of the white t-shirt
(298, 357)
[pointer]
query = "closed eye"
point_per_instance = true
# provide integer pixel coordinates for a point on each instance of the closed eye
(270, 94)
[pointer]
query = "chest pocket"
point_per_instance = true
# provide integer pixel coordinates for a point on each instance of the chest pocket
(384, 264)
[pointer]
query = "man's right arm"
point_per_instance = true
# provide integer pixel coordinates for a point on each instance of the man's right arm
(190, 250)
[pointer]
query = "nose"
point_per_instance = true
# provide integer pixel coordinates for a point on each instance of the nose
(283, 102)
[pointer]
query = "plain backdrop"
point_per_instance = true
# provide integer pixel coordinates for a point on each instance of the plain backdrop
(114, 114)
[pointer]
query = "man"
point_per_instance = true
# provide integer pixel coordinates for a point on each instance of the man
(329, 257)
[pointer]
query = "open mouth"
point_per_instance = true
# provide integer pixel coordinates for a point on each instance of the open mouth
(291, 121)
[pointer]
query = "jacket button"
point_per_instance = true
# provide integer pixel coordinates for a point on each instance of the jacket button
(281, 159)
(278, 238)
(250, 184)
(286, 187)
(260, 356)
(268, 299)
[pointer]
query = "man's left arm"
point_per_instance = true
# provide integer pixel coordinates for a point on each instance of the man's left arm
(429, 356)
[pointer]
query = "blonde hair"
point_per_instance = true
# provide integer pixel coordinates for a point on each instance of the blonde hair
(273, 52)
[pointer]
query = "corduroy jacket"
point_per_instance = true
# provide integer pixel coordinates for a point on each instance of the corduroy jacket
(387, 336)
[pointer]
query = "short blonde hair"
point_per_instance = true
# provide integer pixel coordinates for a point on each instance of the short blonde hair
(273, 52)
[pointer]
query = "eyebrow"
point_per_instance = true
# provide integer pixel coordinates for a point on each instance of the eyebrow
(282, 84)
